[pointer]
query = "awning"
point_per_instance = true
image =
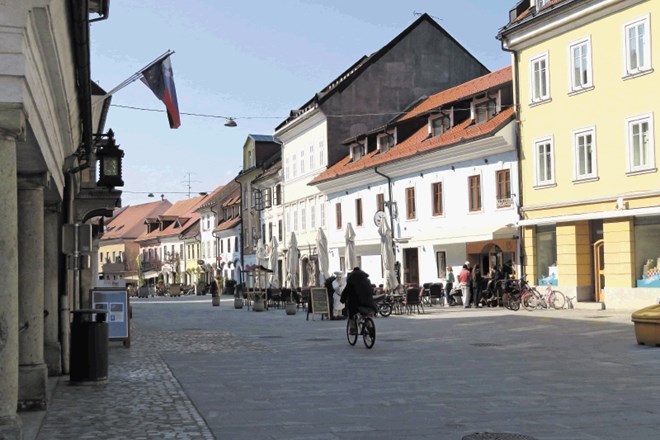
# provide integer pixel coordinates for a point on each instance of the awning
(150, 274)
(507, 232)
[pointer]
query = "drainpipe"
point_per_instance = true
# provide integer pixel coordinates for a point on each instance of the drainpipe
(389, 205)
(516, 103)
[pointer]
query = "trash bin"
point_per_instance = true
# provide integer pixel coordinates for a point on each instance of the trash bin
(647, 325)
(89, 346)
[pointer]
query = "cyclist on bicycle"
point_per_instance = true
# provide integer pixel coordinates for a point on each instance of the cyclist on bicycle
(358, 296)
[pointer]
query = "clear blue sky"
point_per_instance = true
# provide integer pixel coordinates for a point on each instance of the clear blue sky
(251, 60)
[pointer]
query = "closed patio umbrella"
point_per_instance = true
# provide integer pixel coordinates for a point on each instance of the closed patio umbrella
(324, 263)
(387, 256)
(261, 258)
(292, 262)
(350, 257)
(274, 256)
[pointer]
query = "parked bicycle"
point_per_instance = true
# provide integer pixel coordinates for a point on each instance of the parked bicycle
(533, 299)
(365, 327)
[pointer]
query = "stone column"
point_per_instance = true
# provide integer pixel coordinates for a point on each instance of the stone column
(52, 258)
(9, 424)
(33, 373)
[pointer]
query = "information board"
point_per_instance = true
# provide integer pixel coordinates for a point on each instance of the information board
(115, 303)
(318, 297)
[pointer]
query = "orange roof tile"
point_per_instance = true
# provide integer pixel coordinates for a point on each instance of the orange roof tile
(418, 143)
(462, 91)
(128, 222)
(184, 211)
(227, 224)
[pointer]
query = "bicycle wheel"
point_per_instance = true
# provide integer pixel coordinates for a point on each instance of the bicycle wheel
(506, 300)
(557, 300)
(530, 301)
(352, 339)
(513, 303)
(369, 332)
(385, 310)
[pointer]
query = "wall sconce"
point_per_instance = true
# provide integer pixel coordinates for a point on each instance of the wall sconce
(110, 157)
(486, 160)
(421, 174)
(452, 168)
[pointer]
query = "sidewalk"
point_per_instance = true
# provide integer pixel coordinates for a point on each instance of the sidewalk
(190, 374)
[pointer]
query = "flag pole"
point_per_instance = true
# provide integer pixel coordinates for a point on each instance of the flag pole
(138, 74)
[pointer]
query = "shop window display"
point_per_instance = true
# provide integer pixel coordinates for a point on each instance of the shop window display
(647, 251)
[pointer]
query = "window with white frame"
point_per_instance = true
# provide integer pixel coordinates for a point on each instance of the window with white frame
(640, 143)
(288, 219)
(303, 218)
(322, 213)
(294, 169)
(439, 124)
(637, 46)
(302, 162)
(539, 78)
(312, 214)
(580, 59)
(484, 109)
(321, 154)
(385, 141)
(311, 157)
(545, 163)
(286, 169)
(584, 153)
(357, 151)
(295, 219)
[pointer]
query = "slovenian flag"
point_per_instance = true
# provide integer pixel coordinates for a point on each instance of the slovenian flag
(160, 79)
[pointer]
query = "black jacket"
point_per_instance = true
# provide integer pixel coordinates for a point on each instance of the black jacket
(358, 291)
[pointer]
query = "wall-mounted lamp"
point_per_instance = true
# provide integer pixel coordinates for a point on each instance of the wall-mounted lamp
(230, 122)
(486, 160)
(452, 168)
(421, 174)
(151, 195)
(110, 157)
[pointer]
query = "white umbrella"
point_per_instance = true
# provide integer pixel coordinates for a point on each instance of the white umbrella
(350, 257)
(261, 259)
(387, 255)
(292, 262)
(274, 256)
(324, 263)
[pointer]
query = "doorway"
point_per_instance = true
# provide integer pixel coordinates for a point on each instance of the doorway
(599, 269)
(411, 266)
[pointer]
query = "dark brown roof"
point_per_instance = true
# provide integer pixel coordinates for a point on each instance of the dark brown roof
(348, 76)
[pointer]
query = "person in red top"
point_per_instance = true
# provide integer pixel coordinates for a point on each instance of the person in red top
(464, 279)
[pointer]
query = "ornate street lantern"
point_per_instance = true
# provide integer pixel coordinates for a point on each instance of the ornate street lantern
(110, 157)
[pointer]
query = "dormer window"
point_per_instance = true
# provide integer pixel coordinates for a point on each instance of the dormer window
(485, 107)
(386, 141)
(439, 124)
(357, 151)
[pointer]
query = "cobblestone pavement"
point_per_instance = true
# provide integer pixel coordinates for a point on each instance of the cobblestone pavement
(199, 372)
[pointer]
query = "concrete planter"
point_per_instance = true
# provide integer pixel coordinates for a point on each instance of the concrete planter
(238, 303)
(215, 301)
(259, 305)
(291, 308)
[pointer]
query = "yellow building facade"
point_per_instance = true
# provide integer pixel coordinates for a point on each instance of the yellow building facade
(588, 101)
